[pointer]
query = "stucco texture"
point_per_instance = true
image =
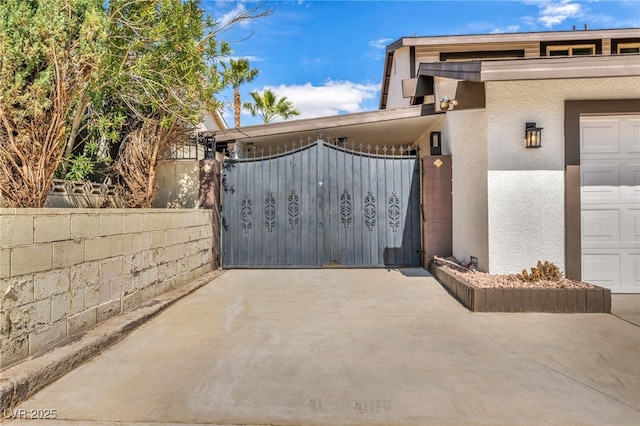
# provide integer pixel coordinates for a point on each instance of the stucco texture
(178, 184)
(508, 201)
(525, 194)
(465, 136)
(400, 71)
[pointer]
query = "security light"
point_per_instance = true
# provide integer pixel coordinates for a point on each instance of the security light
(447, 102)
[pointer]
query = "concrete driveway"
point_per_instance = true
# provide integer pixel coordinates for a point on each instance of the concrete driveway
(362, 347)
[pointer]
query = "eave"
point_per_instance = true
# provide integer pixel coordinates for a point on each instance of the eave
(399, 126)
(536, 68)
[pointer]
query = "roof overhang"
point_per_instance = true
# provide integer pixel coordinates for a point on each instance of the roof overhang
(391, 127)
(485, 40)
(482, 39)
(536, 68)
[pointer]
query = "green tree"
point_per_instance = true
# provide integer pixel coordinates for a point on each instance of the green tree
(50, 52)
(163, 73)
(268, 106)
(161, 77)
(237, 73)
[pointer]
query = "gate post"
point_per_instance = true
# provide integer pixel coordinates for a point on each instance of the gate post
(436, 207)
(209, 197)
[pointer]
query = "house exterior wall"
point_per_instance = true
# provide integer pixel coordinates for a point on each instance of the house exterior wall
(400, 70)
(464, 137)
(525, 187)
(177, 182)
(436, 207)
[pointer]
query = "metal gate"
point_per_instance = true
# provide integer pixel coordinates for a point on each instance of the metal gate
(321, 205)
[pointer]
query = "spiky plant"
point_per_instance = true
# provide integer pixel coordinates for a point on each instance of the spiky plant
(542, 271)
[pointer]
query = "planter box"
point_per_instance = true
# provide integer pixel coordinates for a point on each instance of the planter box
(556, 300)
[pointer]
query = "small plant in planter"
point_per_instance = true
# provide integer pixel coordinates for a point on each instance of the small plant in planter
(546, 271)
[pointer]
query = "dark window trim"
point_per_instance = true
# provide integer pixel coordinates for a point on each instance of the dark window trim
(481, 54)
(570, 43)
(618, 41)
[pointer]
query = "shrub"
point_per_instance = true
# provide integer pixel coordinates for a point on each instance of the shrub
(542, 271)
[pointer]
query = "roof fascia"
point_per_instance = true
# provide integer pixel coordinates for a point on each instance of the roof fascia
(513, 37)
(310, 124)
(220, 119)
(561, 68)
(536, 68)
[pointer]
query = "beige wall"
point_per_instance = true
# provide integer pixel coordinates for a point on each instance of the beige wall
(178, 184)
(400, 70)
(526, 186)
(465, 136)
(65, 270)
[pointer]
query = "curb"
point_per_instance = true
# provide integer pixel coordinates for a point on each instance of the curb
(531, 299)
(21, 381)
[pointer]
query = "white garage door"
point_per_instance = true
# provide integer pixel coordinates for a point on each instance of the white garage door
(610, 201)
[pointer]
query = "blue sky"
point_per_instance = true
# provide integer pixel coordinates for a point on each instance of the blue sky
(327, 56)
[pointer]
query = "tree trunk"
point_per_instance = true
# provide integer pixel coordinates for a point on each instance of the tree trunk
(236, 105)
(152, 172)
(75, 125)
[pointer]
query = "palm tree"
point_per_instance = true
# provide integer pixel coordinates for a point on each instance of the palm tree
(268, 106)
(237, 73)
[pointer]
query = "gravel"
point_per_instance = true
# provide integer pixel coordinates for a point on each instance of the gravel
(486, 280)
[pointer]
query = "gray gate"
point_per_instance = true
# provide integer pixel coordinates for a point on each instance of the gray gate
(321, 205)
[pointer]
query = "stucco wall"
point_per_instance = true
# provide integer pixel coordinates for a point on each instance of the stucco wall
(526, 186)
(465, 135)
(65, 270)
(178, 184)
(400, 70)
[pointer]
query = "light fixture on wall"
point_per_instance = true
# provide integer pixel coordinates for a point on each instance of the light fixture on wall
(532, 136)
(447, 102)
(435, 143)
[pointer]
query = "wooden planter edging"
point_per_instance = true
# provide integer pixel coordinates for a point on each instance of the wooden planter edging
(566, 300)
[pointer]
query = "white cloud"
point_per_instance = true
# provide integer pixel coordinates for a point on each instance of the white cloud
(380, 43)
(224, 19)
(331, 98)
(555, 12)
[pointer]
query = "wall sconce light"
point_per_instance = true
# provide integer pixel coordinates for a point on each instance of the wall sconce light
(447, 102)
(435, 144)
(532, 136)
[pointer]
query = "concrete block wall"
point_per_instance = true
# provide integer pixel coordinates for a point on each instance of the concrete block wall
(64, 270)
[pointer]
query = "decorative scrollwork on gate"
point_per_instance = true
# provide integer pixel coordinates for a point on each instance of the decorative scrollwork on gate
(293, 209)
(245, 214)
(269, 211)
(370, 211)
(345, 208)
(394, 212)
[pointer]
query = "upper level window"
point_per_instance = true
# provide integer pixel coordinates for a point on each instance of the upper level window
(625, 48)
(575, 50)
